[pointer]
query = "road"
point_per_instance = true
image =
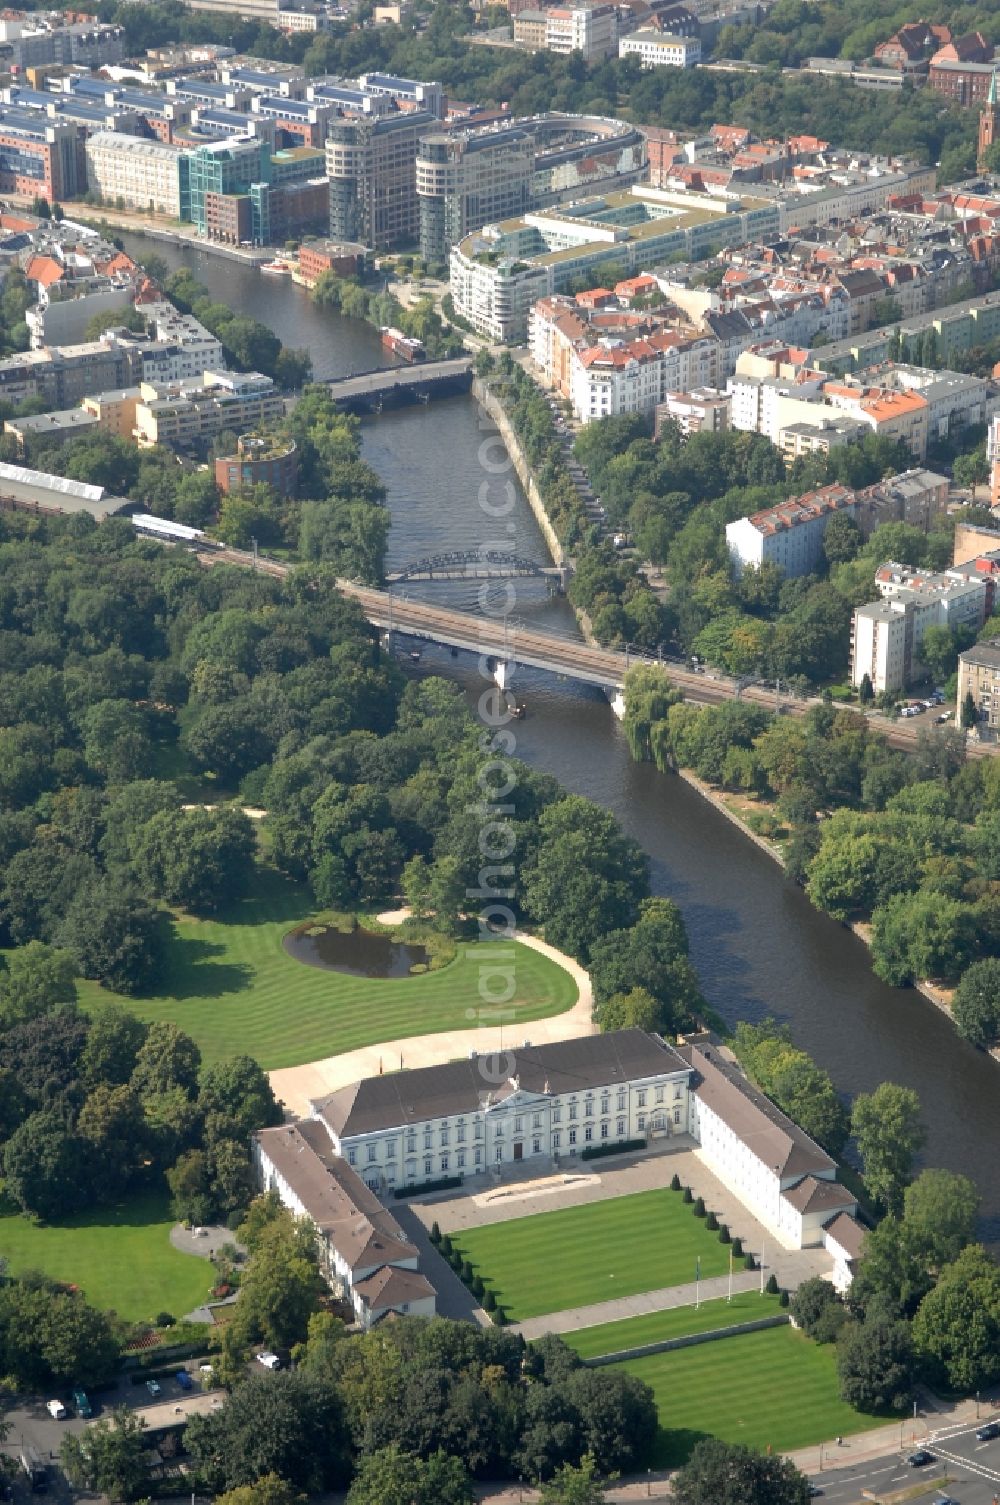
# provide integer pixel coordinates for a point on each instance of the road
(964, 1470)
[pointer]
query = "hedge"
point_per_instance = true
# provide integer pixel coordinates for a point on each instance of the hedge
(595, 1151)
(443, 1183)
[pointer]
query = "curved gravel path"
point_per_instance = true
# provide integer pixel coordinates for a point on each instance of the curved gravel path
(294, 1086)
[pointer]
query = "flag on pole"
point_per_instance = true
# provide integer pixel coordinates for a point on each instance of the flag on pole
(697, 1268)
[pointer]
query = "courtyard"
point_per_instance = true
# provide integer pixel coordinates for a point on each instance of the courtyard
(579, 1256)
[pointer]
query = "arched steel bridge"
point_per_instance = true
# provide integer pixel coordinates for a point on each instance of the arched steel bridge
(475, 564)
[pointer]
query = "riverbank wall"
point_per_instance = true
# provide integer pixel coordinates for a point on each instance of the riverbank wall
(491, 404)
(859, 927)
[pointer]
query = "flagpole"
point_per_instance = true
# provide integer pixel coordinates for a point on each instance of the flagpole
(730, 1296)
(697, 1283)
(762, 1267)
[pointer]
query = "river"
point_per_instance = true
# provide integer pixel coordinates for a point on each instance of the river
(759, 946)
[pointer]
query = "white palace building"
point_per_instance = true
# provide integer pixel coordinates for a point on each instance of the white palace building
(549, 1103)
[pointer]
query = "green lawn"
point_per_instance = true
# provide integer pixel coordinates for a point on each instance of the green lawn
(773, 1389)
(120, 1257)
(676, 1322)
(580, 1255)
(233, 988)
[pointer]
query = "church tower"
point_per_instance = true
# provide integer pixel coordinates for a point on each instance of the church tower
(989, 123)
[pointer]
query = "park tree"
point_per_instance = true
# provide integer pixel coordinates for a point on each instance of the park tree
(587, 877)
(876, 1365)
(889, 1133)
(725, 1473)
(112, 1131)
(201, 860)
(818, 1309)
(892, 1277)
(969, 716)
(390, 1476)
(269, 1490)
(940, 1210)
(42, 1163)
(108, 1457)
(280, 1288)
(114, 1040)
(957, 1326)
(167, 1058)
(652, 954)
(636, 1009)
(976, 1005)
(191, 1188)
(51, 1336)
(238, 1092)
(35, 980)
(114, 937)
(286, 1424)
(116, 739)
(575, 1485)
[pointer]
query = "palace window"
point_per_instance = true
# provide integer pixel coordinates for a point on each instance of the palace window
(572, 1136)
(590, 1110)
(642, 1123)
(557, 1115)
(461, 1133)
(372, 1152)
(499, 1152)
(604, 1131)
(642, 1099)
(659, 1094)
(572, 1110)
(444, 1163)
(621, 1128)
(621, 1099)
(479, 1155)
(536, 1120)
(445, 1136)
(536, 1146)
(518, 1125)
(588, 1133)
(352, 1156)
(556, 1139)
(428, 1165)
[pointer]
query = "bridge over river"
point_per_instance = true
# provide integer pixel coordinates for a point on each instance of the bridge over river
(505, 644)
(368, 391)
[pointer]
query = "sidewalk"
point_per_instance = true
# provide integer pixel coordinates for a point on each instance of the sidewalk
(636, 1306)
(908, 1432)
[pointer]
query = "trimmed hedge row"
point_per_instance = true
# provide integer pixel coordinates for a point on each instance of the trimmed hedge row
(469, 1278)
(443, 1183)
(697, 1206)
(620, 1147)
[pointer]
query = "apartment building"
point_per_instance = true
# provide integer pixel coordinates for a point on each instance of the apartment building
(39, 157)
(979, 676)
(260, 460)
(700, 410)
(181, 413)
(130, 172)
(371, 165)
(789, 535)
(659, 49)
(588, 29)
(63, 374)
(467, 180)
(886, 635)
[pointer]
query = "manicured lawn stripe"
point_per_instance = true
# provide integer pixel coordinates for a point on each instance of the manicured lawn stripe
(580, 1255)
(675, 1322)
(772, 1389)
(120, 1257)
(233, 988)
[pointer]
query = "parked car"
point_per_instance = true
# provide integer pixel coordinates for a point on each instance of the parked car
(153, 1386)
(81, 1404)
(920, 1458)
(269, 1360)
(183, 1379)
(988, 1432)
(56, 1410)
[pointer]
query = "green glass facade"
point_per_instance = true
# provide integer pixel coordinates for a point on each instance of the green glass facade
(227, 167)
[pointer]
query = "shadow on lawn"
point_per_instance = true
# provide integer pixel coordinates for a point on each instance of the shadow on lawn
(673, 1446)
(192, 972)
(273, 897)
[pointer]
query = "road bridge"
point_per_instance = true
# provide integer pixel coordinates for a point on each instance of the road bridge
(369, 390)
